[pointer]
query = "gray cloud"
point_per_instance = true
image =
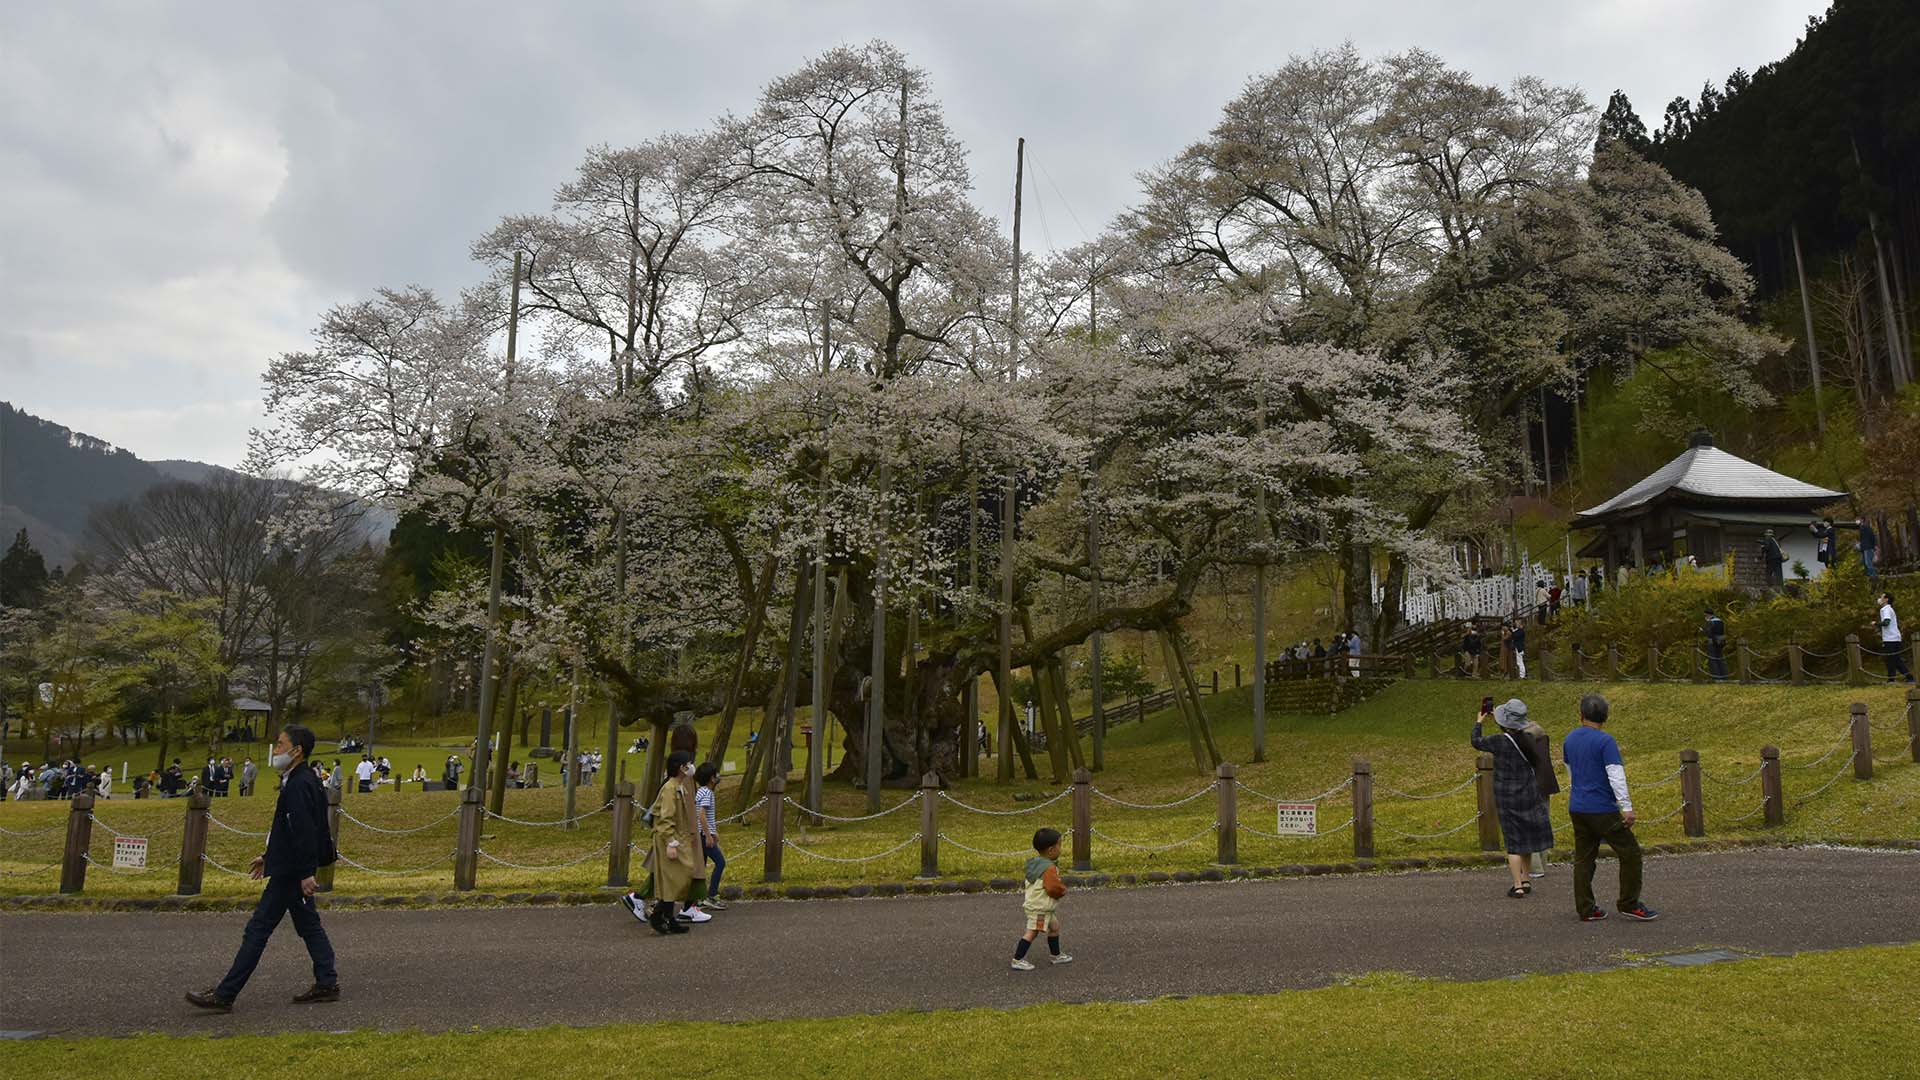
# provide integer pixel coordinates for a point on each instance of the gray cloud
(189, 184)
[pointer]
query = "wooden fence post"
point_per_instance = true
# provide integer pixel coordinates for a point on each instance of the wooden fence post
(73, 865)
(1653, 662)
(929, 825)
(1216, 680)
(620, 852)
(193, 844)
(1613, 663)
(1082, 820)
(1796, 664)
(776, 827)
(467, 845)
(1913, 724)
(1776, 812)
(1483, 796)
(1696, 670)
(1856, 675)
(1236, 674)
(1362, 809)
(1227, 829)
(1744, 659)
(1693, 819)
(1862, 741)
(324, 879)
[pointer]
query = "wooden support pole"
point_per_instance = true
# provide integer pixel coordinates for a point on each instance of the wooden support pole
(1744, 658)
(193, 842)
(1613, 663)
(1796, 664)
(1776, 810)
(1856, 675)
(1693, 818)
(1483, 796)
(1227, 828)
(1862, 740)
(1913, 724)
(776, 829)
(73, 864)
(467, 844)
(929, 825)
(1653, 662)
(1082, 820)
(620, 854)
(1362, 808)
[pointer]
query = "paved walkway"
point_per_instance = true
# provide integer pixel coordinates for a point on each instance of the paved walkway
(448, 969)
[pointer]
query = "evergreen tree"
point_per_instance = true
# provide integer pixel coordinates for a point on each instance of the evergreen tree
(1621, 124)
(23, 574)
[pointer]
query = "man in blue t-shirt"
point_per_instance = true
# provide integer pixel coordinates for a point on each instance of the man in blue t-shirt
(1602, 811)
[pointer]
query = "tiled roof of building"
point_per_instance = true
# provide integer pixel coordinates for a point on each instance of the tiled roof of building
(1709, 472)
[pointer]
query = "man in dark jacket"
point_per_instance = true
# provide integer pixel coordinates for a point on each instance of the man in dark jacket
(298, 844)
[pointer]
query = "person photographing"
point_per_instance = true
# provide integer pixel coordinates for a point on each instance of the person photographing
(298, 844)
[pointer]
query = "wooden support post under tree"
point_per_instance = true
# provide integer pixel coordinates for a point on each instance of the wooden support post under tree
(1082, 820)
(193, 841)
(620, 853)
(73, 864)
(1862, 736)
(756, 618)
(874, 744)
(1693, 813)
(1489, 813)
(467, 841)
(1913, 725)
(1013, 736)
(929, 825)
(1193, 689)
(776, 835)
(1770, 794)
(497, 782)
(1227, 815)
(970, 698)
(1362, 808)
(1063, 700)
(1200, 763)
(1009, 492)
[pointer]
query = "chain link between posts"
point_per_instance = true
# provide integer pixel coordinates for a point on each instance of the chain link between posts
(1154, 848)
(1006, 813)
(400, 873)
(1156, 806)
(1334, 790)
(1426, 836)
(370, 827)
(902, 805)
(1455, 790)
(914, 839)
(483, 853)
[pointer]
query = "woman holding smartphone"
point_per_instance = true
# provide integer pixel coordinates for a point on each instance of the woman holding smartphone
(1517, 767)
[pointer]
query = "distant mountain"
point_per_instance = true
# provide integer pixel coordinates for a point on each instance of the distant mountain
(52, 477)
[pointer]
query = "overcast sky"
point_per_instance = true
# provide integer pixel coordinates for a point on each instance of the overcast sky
(185, 186)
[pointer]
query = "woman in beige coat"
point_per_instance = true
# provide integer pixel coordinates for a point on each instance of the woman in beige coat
(675, 858)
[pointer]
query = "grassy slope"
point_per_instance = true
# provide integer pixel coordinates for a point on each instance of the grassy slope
(1415, 735)
(1843, 1017)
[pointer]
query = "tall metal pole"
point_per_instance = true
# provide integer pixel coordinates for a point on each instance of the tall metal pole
(816, 746)
(1007, 494)
(1093, 541)
(489, 689)
(1260, 595)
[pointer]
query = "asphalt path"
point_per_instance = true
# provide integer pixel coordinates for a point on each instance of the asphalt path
(439, 970)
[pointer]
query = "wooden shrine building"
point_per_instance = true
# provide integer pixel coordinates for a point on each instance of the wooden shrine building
(1709, 504)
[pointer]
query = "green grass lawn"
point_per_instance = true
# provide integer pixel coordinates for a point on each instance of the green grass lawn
(1415, 735)
(1836, 1014)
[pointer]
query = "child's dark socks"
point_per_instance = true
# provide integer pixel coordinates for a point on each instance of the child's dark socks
(1020, 950)
(1053, 944)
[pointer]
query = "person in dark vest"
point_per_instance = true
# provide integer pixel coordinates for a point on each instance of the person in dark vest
(298, 845)
(1715, 629)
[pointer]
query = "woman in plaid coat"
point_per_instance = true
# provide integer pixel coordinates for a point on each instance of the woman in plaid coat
(1516, 788)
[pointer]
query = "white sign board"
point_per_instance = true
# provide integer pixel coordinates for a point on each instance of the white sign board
(130, 852)
(1297, 819)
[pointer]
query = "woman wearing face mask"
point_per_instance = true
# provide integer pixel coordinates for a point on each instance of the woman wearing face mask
(674, 860)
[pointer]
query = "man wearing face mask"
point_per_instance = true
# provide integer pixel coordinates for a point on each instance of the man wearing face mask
(298, 844)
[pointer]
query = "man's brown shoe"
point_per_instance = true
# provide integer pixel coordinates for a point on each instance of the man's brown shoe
(317, 993)
(207, 999)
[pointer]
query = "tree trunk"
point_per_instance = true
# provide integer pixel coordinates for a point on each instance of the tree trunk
(1356, 583)
(1813, 344)
(756, 618)
(497, 791)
